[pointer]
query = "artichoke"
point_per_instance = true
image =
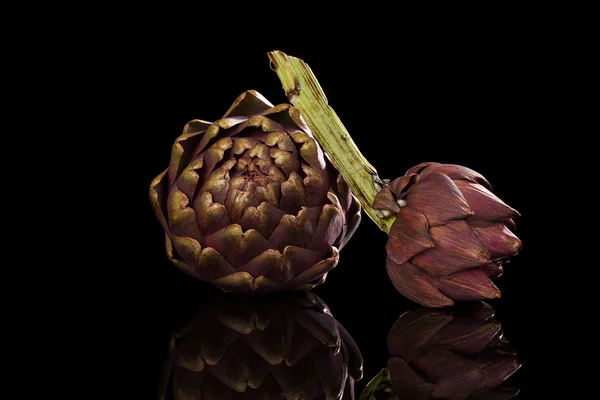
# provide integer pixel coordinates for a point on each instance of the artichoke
(278, 346)
(454, 355)
(450, 236)
(251, 204)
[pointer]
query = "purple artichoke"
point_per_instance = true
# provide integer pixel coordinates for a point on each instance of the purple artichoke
(454, 355)
(450, 237)
(251, 204)
(267, 347)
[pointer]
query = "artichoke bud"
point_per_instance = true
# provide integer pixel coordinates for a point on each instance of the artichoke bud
(450, 237)
(251, 204)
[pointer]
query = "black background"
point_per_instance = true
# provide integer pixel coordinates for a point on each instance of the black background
(473, 100)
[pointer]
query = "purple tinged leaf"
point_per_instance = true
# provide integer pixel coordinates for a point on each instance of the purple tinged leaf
(238, 376)
(281, 115)
(240, 282)
(316, 189)
(440, 363)
(188, 180)
(299, 343)
(307, 224)
(322, 326)
(293, 194)
(468, 285)
(467, 335)
(271, 193)
(300, 259)
(478, 311)
(158, 195)
(174, 258)
(407, 382)
(215, 340)
(282, 140)
(500, 370)
(268, 344)
(264, 123)
(217, 185)
(457, 248)
(236, 246)
(188, 248)
(461, 383)
(416, 285)
(241, 144)
(457, 172)
(268, 263)
(438, 198)
(354, 360)
(207, 137)
(181, 154)
(288, 233)
(264, 284)
(403, 184)
(196, 126)
(344, 194)
(498, 239)
(182, 219)
(299, 381)
(493, 270)
(352, 225)
(420, 168)
(328, 229)
(408, 236)
(484, 203)
(510, 224)
(211, 265)
(318, 270)
(385, 200)
(332, 373)
(311, 153)
(241, 195)
(298, 119)
(284, 160)
(214, 154)
(211, 216)
(248, 103)
(413, 330)
(264, 218)
(310, 218)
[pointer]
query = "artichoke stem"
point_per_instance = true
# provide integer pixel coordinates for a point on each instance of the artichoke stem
(304, 92)
(382, 382)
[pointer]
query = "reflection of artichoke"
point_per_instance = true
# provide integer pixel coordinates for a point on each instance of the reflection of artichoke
(455, 355)
(251, 204)
(273, 347)
(450, 236)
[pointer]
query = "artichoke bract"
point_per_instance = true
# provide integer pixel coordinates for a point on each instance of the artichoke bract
(450, 237)
(281, 346)
(251, 204)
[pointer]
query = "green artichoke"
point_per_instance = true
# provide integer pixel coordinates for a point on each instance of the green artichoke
(278, 346)
(450, 237)
(251, 204)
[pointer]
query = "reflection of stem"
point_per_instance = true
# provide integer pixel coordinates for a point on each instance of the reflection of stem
(381, 383)
(304, 92)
